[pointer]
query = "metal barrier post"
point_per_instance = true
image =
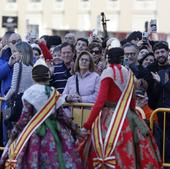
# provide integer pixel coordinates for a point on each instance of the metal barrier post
(1, 148)
(141, 112)
(82, 107)
(164, 111)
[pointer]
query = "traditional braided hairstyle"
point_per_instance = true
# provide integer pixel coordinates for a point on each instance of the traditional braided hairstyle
(41, 72)
(114, 51)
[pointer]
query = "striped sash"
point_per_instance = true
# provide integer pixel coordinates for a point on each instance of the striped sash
(17, 146)
(104, 150)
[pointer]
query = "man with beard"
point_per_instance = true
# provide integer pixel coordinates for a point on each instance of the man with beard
(161, 51)
(158, 79)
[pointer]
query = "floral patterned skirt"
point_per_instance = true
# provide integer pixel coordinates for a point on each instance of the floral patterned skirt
(40, 152)
(135, 149)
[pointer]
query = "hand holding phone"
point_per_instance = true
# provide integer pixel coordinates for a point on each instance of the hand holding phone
(13, 59)
(126, 62)
(145, 37)
(153, 25)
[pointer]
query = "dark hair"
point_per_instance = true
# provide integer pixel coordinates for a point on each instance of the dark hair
(36, 47)
(41, 73)
(160, 45)
(136, 35)
(67, 44)
(115, 55)
(94, 45)
(45, 37)
(143, 47)
(91, 65)
(38, 50)
(52, 40)
(123, 42)
(144, 57)
(84, 40)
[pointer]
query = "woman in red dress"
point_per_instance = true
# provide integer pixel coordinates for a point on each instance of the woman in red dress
(118, 138)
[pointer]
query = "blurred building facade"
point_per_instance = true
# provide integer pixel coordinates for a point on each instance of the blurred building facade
(58, 16)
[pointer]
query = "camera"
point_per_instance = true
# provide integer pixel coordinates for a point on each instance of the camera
(126, 62)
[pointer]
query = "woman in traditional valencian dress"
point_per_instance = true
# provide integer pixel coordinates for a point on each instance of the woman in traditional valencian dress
(118, 138)
(42, 139)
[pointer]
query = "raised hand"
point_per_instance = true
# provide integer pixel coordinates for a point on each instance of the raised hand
(156, 76)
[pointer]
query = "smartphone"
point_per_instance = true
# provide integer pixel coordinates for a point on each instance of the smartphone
(153, 25)
(145, 37)
(126, 62)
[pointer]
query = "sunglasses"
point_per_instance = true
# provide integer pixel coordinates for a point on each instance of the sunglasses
(36, 54)
(95, 51)
(15, 41)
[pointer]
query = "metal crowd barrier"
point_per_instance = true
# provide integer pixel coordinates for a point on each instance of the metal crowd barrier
(140, 111)
(164, 111)
(81, 111)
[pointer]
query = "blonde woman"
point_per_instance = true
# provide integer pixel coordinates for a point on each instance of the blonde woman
(21, 78)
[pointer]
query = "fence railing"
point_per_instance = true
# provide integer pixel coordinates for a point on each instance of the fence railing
(164, 148)
(80, 112)
(141, 112)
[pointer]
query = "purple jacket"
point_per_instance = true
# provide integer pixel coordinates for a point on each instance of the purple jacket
(88, 86)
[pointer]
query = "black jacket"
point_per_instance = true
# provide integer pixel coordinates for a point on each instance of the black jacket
(154, 92)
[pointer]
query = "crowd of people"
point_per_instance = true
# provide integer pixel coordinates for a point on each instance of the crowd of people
(37, 76)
